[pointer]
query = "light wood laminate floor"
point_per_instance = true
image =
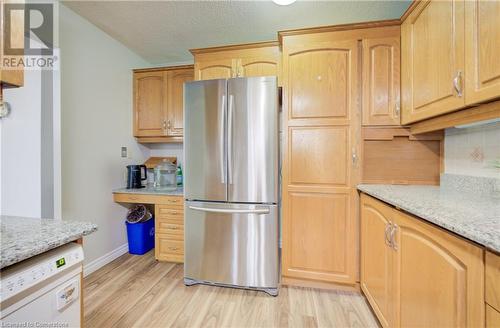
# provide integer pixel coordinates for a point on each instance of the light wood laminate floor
(137, 291)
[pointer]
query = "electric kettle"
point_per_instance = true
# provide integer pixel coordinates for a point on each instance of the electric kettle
(134, 176)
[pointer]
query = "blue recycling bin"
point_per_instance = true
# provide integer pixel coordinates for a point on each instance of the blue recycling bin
(141, 236)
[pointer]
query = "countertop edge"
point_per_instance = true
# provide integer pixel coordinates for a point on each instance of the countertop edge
(24, 255)
(433, 220)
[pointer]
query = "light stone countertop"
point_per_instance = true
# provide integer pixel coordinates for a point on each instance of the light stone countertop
(22, 238)
(473, 215)
(150, 190)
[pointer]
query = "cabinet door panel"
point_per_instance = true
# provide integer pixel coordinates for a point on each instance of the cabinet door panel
(377, 259)
(320, 83)
(381, 71)
(318, 236)
(259, 68)
(482, 49)
(214, 69)
(175, 98)
(148, 104)
(319, 155)
(440, 277)
(432, 56)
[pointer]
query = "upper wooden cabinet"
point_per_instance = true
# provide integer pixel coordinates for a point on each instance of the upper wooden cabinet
(381, 75)
(482, 50)
(258, 59)
(433, 65)
(158, 103)
(424, 276)
(449, 57)
(10, 78)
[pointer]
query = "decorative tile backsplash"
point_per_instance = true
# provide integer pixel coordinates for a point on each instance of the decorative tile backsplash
(473, 151)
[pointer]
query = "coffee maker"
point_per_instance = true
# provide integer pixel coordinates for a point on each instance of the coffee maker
(134, 176)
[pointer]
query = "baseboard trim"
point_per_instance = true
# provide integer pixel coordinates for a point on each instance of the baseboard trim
(296, 282)
(105, 259)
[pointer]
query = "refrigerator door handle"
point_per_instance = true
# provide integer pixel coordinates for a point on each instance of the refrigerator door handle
(222, 141)
(234, 211)
(230, 139)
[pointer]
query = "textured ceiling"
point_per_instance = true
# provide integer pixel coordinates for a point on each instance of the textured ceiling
(164, 31)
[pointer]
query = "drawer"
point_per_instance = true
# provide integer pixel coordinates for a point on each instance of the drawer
(171, 201)
(167, 212)
(168, 246)
(492, 280)
(133, 198)
(175, 231)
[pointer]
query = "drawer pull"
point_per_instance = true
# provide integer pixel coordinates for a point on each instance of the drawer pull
(173, 227)
(172, 200)
(133, 198)
(173, 212)
(173, 248)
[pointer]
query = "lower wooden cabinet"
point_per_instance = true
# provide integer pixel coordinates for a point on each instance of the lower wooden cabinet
(422, 276)
(169, 231)
(492, 317)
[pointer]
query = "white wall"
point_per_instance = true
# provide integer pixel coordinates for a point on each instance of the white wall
(20, 138)
(96, 116)
(472, 151)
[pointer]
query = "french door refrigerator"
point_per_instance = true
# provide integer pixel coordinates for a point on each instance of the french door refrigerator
(231, 183)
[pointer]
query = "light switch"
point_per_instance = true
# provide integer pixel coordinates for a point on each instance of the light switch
(124, 152)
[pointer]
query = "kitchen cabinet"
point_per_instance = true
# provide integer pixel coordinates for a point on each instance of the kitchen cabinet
(258, 59)
(482, 51)
(158, 103)
(432, 57)
(319, 199)
(10, 78)
(169, 222)
(377, 260)
(435, 278)
(492, 289)
(449, 55)
(381, 76)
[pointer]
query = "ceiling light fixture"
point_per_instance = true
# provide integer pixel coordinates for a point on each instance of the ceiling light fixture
(284, 2)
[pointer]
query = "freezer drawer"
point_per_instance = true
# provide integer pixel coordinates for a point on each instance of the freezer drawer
(232, 244)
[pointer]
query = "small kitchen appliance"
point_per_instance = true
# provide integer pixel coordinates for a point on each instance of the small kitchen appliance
(165, 176)
(134, 176)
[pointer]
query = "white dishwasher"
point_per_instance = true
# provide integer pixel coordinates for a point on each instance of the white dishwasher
(43, 291)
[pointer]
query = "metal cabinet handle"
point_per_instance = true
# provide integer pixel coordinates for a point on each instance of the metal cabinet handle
(172, 200)
(388, 226)
(393, 232)
(457, 83)
(169, 125)
(354, 156)
(164, 125)
(173, 248)
(172, 227)
(397, 109)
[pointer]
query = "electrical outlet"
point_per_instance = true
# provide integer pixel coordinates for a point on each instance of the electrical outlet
(124, 152)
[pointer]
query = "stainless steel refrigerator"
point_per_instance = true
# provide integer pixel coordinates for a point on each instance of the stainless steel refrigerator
(231, 161)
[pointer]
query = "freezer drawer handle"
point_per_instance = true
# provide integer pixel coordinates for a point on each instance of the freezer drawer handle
(221, 210)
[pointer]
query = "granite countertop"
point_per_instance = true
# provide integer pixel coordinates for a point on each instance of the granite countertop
(22, 238)
(473, 215)
(150, 190)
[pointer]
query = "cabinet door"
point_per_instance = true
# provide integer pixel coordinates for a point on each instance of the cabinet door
(175, 100)
(149, 115)
(319, 201)
(381, 71)
(432, 58)
(440, 277)
(482, 50)
(10, 77)
(210, 69)
(261, 62)
(377, 258)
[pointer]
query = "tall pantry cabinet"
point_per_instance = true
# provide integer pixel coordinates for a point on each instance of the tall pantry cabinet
(334, 78)
(320, 102)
